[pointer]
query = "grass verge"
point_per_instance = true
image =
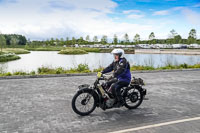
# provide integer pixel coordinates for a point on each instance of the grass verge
(83, 68)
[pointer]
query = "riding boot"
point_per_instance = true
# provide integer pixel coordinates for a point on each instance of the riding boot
(120, 101)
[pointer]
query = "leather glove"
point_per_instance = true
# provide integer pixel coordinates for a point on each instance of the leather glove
(99, 74)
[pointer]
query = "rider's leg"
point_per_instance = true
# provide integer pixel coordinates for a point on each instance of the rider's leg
(112, 89)
(118, 95)
(110, 82)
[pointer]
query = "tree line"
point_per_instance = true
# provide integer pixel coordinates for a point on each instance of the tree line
(173, 38)
(12, 40)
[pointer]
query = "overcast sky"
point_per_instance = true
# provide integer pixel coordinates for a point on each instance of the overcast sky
(42, 19)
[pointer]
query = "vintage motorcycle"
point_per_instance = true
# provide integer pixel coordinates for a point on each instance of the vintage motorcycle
(87, 97)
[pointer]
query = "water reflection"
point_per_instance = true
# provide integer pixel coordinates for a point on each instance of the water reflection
(3, 67)
(35, 59)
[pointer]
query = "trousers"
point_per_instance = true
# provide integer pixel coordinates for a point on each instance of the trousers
(115, 88)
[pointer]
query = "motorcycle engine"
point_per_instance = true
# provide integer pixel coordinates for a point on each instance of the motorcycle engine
(110, 102)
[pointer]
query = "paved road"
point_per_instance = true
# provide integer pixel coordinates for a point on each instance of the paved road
(44, 105)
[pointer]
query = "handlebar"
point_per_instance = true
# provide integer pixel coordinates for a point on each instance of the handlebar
(103, 77)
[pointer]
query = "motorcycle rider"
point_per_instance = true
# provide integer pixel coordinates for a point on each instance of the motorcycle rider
(121, 74)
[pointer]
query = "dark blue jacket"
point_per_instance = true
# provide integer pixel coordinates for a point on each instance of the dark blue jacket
(121, 70)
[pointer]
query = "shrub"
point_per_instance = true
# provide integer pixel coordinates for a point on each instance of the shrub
(60, 70)
(20, 73)
(184, 65)
(46, 70)
(8, 74)
(196, 66)
(32, 73)
(82, 67)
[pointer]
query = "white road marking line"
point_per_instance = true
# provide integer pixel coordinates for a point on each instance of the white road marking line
(157, 125)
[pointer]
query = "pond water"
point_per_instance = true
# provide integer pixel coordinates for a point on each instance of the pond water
(36, 59)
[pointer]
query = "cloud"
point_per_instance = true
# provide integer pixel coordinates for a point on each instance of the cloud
(131, 11)
(42, 19)
(7, 1)
(162, 12)
(191, 16)
(197, 5)
(61, 18)
(49, 18)
(135, 16)
(178, 8)
(168, 11)
(61, 5)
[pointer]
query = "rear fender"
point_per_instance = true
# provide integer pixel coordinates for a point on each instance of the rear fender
(142, 90)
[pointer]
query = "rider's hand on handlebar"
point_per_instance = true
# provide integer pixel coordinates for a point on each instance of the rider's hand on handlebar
(99, 74)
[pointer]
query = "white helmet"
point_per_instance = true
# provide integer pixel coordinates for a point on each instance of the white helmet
(119, 52)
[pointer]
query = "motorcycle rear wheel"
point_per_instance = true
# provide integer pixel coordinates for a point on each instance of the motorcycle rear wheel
(133, 99)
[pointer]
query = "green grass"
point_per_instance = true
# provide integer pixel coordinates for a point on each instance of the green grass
(83, 68)
(72, 51)
(1, 53)
(95, 50)
(16, 50)
(135, 68)
(8, 57)
(9, 54)
(45, 48)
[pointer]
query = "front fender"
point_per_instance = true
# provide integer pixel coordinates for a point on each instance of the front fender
(83, 86)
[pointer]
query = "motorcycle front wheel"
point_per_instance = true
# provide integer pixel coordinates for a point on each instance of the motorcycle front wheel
(83, 103)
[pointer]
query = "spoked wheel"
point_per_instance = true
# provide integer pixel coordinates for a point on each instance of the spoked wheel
(83, 103)
(133, 99)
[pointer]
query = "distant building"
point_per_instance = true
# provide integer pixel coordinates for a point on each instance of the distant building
(179, 46)
(144, 45)
(76, 45)
(130, 46)
(194, 46)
